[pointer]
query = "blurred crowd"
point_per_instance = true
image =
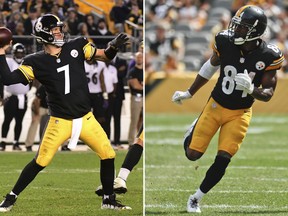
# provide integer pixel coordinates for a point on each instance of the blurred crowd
(20, 16)
(179, 33)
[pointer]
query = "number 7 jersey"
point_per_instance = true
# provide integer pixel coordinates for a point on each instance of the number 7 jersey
(265, 58)
(63, 76)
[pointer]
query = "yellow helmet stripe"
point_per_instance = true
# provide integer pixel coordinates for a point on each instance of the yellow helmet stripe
(241, 10)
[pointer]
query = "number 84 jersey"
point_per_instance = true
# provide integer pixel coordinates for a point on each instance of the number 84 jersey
(265, 58)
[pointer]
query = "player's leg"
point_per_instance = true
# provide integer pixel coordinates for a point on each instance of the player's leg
(32, 131)
(232, 133)
(95, 137)
(202, 130)
(19, 116)
(132, 158)
(9, 111)
(197, 140)
(56, 133)
(136, 105)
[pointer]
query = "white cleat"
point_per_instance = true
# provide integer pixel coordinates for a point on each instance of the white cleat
(193, 205)
(112, 203)
(119, 186)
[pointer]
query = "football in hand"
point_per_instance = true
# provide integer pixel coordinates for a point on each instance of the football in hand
(5, 36)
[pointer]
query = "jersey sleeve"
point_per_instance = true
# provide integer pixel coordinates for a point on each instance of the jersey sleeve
(218, 41)
(276, 56)
(27, 69)
(89, 48)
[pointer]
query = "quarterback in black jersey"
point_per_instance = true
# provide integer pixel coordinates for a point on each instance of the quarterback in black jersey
(248, 68)
(60, 68)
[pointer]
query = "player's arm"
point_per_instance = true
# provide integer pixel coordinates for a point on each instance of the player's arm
(135, 84)
(113, 46)
(269, 82)
(205, 73)
(8, 78)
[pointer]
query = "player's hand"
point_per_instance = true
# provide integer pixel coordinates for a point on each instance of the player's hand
(178, 96)
(244, 82)
(120, 40)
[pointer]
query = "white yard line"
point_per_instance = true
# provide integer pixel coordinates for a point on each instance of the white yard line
(151, 166)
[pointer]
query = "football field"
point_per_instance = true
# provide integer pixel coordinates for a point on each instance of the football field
(67, 186)
(255, 183)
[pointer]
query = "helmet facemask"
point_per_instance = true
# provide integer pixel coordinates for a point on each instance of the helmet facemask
(239, 37)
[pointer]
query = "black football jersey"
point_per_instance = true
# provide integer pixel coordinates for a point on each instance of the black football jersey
(265, 58)
(64, 77)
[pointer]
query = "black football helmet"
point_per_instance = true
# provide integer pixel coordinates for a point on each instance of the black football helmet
(248, 24)
(43, 27)
(18, 51)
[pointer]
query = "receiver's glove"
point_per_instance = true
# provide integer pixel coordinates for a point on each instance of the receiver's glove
(244, 82)
(178, 96)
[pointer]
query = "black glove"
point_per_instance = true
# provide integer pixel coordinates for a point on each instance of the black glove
(120, 40)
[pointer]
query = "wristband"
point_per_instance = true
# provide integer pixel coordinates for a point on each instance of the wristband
(110, 52)
(207, 70)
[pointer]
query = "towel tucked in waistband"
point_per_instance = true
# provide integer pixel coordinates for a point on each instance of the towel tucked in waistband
(76, 130)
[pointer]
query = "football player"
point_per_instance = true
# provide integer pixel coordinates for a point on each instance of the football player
(248, 68)
(60, 68)
(131, 160)
(15, 105)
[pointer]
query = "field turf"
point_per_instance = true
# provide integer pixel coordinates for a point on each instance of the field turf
(255, 183)
(67, 186)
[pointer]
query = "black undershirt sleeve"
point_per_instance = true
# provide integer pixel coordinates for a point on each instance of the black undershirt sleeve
(8, 78)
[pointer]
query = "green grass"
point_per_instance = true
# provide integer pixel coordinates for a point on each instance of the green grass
(255, 183)
(67, 185)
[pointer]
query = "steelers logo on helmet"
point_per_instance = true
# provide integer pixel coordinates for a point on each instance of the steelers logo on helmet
(38, 26)
(43, 30)
(248, 24)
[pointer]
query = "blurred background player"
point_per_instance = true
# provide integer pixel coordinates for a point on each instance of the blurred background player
(109, 94)
(95, 78)
(135, 82)
(121, 66)
(131, 160)
(15, 104)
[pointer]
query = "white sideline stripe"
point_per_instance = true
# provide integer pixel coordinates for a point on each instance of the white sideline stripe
(214, 206)
(258, 130)
(230, 167)
(183, 128)
(217, 191)
(227, 178)
(67, 171)
(267, 119)
(153, 129)
(166, 141)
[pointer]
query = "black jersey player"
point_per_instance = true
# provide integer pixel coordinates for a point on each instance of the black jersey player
(248, 68)
(60, 68)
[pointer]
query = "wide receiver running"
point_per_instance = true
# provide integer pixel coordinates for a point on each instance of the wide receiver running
(248, 68)
(60, 68)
